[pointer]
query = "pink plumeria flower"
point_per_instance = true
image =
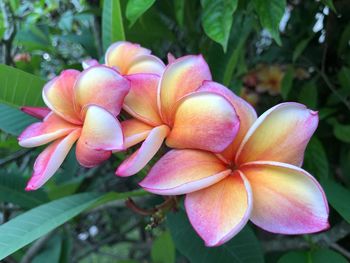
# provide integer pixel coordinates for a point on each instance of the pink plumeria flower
(84, 106)
(258, 177)
(171, 108)
(129, 58)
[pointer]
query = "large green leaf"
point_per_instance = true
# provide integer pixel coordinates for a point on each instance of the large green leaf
(270, 14)
(135, 9)
(243, 248)
(13, 121)
(339, 198)
(112, 23)
(316, 161)
(217, 19)
(315, 256)
(19, 88)
(342, 132)
(163, 249)
(12, 190)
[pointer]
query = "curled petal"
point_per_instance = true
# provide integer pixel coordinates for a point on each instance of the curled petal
(141, 101)
(37, 112)
(205, 121)
(121, 55)
(135, 131)
(101, 130)
(287, 199)
(220, 211)
(182, 76)
(146, 64)
(171, 58)
(89, 63)
(50, 160)
(58, 95)
(138, 160)
(184, 171)
(244, 110)
(102, 86)
(280, 134)
(40, 133)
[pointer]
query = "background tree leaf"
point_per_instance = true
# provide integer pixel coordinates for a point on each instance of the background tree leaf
(163, 249)
(136, 8)
(217, 19)
(270, 14)
(112, 23)
(315, 256)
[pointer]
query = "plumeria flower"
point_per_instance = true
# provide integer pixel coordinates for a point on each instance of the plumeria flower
(172, 108)
(129, 58)
(83, 108)
(258, 177)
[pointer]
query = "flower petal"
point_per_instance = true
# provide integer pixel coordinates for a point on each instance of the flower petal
(280, 134)
(58, 95)
(138, 160)
(101, 130)
(220, 211)
(40, 133)
(141, 101)
(102, 86)
(37, 112)
(134, 131)
(205, 121)
(89, 63)
(287, 199)
(121, 54)
(184, 171)
(146, 64)
(182, 76)
(244, 110)
(50, 160)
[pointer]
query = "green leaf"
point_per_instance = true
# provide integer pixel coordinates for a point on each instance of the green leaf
(12, 190)
(13, 121)
(163, 249)
(270, 14)
(179, 6)
(342, 132)
(34, 223)
(217, 19)
(18, 88)
(330, 4)
(308, 95)
(287, 82)
(300, 48)
(315, 256)
(52, 250)
(136, 8)
(112, 23)
(344, 78)
(339, 198)
(243, 248)
(316, 161)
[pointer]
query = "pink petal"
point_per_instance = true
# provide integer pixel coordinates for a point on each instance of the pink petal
(135, 131)
(219, 212)
(181, 77)
(184, 171)
(50, 160)
(171, 58)
(89, 63)
(141, 101)
(244, 110)
(58, 95)
(40, 133)
(102, 86)
(121, 55)
(138, 160)
(37, 112)
(280, 134)
(287, 199)
(146, 64)
(205, 121)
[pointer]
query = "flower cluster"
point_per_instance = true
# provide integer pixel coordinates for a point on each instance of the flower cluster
(231, 165)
